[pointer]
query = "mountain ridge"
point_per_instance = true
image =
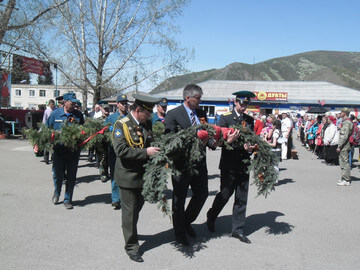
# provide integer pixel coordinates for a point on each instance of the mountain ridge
(338, 67)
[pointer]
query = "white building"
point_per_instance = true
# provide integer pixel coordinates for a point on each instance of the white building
(30, 96)
(271, 96)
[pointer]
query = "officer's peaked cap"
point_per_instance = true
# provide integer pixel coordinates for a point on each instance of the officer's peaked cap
(146, 101)
(244, 96)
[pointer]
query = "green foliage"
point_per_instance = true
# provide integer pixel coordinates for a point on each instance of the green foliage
(180, 151)
(42, 137)
(158, 130)
(71, 135)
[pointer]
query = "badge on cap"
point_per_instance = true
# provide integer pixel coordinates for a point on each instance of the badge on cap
(117, 133)
(244, 96)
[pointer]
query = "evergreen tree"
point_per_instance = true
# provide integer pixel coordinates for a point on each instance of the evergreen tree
(18, 76)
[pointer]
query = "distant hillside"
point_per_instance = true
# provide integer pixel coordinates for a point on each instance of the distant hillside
(341, 68)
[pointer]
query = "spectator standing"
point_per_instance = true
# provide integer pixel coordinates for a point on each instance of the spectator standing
(159, 115)
(259, 124)
(331, 140)
(276, 146)
(286, 127)
(49, 110)
(344, 148)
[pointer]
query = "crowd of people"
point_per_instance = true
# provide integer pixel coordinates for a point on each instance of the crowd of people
(332, 138)
(131, 148)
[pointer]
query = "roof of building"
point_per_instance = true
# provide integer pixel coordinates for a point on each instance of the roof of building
(298, 91)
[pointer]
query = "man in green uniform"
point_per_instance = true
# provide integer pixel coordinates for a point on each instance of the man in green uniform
(131, 140)
(344, 147)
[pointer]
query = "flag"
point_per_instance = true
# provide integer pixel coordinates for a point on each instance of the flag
(30, 65)
(5, 89)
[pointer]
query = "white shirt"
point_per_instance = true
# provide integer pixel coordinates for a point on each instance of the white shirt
(285, 125)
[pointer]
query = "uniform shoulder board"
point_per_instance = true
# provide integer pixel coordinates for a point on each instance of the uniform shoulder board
(124, 120)
(228, 113)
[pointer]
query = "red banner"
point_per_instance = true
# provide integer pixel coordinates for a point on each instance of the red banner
(262, 95)
(5, 89)
(30, 65)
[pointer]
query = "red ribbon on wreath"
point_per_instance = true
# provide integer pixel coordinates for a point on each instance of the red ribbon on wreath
(99, 132)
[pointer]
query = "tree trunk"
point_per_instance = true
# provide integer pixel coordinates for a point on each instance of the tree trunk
(6, 18)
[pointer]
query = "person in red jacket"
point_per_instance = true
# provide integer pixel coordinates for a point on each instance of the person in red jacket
(258, 125)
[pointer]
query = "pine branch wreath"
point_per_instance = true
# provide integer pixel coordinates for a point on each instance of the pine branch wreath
(186, 146)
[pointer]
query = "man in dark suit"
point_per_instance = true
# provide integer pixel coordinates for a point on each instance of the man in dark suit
(131, 141)
(184, 116)
(234, 175)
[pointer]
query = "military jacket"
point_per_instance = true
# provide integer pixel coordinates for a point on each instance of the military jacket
(233, 159)
(130, 152)
(345, 133)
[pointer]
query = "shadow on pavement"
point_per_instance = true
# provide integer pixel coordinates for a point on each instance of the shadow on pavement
(286, 181)
(100, 198)
(87, 178)
(223, 228)
(88, 164)
(213, 176)
(255, 222)
(355, 178)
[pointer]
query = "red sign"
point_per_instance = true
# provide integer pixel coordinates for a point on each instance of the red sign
(30, 65)
(262, 96)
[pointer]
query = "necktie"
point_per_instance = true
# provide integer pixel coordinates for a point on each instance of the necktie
(193, 120)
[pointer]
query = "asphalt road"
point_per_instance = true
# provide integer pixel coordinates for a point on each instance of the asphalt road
(307, 223)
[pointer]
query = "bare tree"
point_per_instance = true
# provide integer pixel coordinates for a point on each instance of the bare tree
(98, 42)
(14, 20)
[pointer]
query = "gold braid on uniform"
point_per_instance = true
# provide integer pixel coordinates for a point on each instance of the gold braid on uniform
(129, 138)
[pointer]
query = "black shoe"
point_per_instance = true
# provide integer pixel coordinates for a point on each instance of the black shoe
(136, 257)
(55, 199)
(190, 231)
(182, 240)
(116, 205)
(241, 237)
(68, 205)
(211, 225)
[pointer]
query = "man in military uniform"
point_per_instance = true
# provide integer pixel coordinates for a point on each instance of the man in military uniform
(159, 115)
(64, 159)
(234, 175)
(122, 111)
(131, 141)
(344, 148)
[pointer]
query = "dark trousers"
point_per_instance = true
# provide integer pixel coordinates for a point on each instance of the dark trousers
(65, 159)
(131, 203)
(199, 188)
(231, 181)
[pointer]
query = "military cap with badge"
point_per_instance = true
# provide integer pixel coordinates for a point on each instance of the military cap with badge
(244, 97)
(145, 101)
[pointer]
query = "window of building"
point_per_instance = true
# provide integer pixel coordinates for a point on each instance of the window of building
(210, 110)
(56, 93)
(31, 93)
(42, 93)
(17, 104)
(32, 107)
(18, 92)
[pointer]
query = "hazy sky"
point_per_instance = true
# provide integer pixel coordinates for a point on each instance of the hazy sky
(227, 31)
